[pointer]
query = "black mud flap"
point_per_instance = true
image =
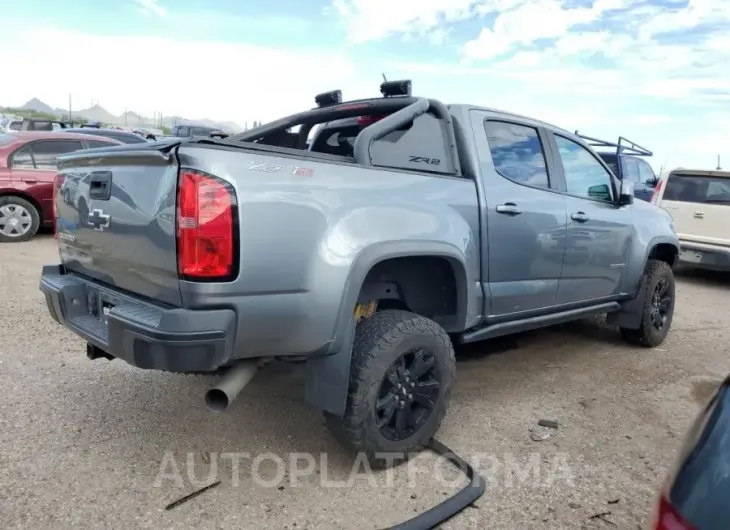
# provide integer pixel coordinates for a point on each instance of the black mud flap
(629, 316)
(327, 378)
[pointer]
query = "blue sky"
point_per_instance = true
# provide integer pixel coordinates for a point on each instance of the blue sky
(653, 70)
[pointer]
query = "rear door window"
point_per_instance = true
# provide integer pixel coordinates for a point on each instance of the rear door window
(45, 152)
(517, 153)
(22, 159)
(698, 189)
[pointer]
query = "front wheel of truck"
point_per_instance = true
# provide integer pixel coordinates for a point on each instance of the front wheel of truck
(658, 309)
(401, 374)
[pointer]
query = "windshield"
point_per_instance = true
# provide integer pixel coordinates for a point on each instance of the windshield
(698, 188)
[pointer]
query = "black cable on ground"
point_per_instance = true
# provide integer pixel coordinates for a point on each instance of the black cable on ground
(445, 510)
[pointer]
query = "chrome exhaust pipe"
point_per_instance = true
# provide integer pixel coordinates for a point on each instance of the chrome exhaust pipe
(230, 385)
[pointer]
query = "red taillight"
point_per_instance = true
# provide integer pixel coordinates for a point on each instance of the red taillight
(668, 518)
(206, 227)
(657, 191)
(57, 184)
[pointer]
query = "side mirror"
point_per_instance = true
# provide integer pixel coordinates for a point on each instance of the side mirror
(601, 192)
(652, 182)
(626, 193)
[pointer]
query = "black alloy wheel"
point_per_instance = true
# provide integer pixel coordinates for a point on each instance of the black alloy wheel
(661, 303)
(407, 395)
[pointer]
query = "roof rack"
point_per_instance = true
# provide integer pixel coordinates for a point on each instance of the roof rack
(623, 146)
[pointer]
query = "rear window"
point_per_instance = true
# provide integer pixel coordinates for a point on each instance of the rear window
(15, 125)
(697, 188)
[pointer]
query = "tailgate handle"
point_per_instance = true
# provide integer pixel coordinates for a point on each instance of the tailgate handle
(100, 185)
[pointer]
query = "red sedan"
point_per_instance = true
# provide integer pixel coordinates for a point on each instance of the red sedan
(27, 170)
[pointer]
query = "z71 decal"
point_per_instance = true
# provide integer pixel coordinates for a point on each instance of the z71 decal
(424, 160)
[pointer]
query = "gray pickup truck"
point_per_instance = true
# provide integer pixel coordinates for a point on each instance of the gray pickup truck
(361, 238)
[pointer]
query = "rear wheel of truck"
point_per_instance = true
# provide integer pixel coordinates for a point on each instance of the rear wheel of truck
(658, 310)
(401, 374)
(19, 220)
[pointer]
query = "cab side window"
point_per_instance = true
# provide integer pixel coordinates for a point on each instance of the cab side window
(45, 152)
(517, 153)
(584, 174)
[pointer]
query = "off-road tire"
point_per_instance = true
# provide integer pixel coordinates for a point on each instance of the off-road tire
(379, 341)
(34, 215)
(646, 335)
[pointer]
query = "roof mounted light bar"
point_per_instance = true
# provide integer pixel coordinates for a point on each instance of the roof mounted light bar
(396, 88)
(327, 99)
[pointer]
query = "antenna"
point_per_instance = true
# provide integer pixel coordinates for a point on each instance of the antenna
(718, 163)
(384, 79)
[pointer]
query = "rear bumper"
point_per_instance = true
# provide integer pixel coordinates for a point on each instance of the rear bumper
(143, 334)
(705, 257)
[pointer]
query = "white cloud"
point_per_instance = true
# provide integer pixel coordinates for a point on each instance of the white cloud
(151, 7)
(216, 80)
(560, 83)
(371, 20)
(531, 21)
(642, 64)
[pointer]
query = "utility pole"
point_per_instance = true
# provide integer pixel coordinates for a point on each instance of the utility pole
(126, 115)
(70, 113)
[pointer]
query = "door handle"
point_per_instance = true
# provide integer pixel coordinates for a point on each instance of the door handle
(699, 215)
(100, 185)
(579, 217)
(508, 208)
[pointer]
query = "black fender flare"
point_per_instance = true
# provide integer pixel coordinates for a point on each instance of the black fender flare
(629, 316)
(327, 377)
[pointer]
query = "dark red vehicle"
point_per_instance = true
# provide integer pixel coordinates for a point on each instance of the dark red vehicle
(27, 170)
(696, 495)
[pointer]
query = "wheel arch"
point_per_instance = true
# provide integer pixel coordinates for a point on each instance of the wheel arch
(660, 248)
(26, 197)
(327, 377)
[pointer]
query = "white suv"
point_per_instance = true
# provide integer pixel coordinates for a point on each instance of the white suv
(699, 203)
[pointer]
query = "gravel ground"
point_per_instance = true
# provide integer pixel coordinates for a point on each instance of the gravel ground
(101, 444)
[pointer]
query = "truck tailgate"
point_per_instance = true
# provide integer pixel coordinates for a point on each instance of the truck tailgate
(116, 218)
